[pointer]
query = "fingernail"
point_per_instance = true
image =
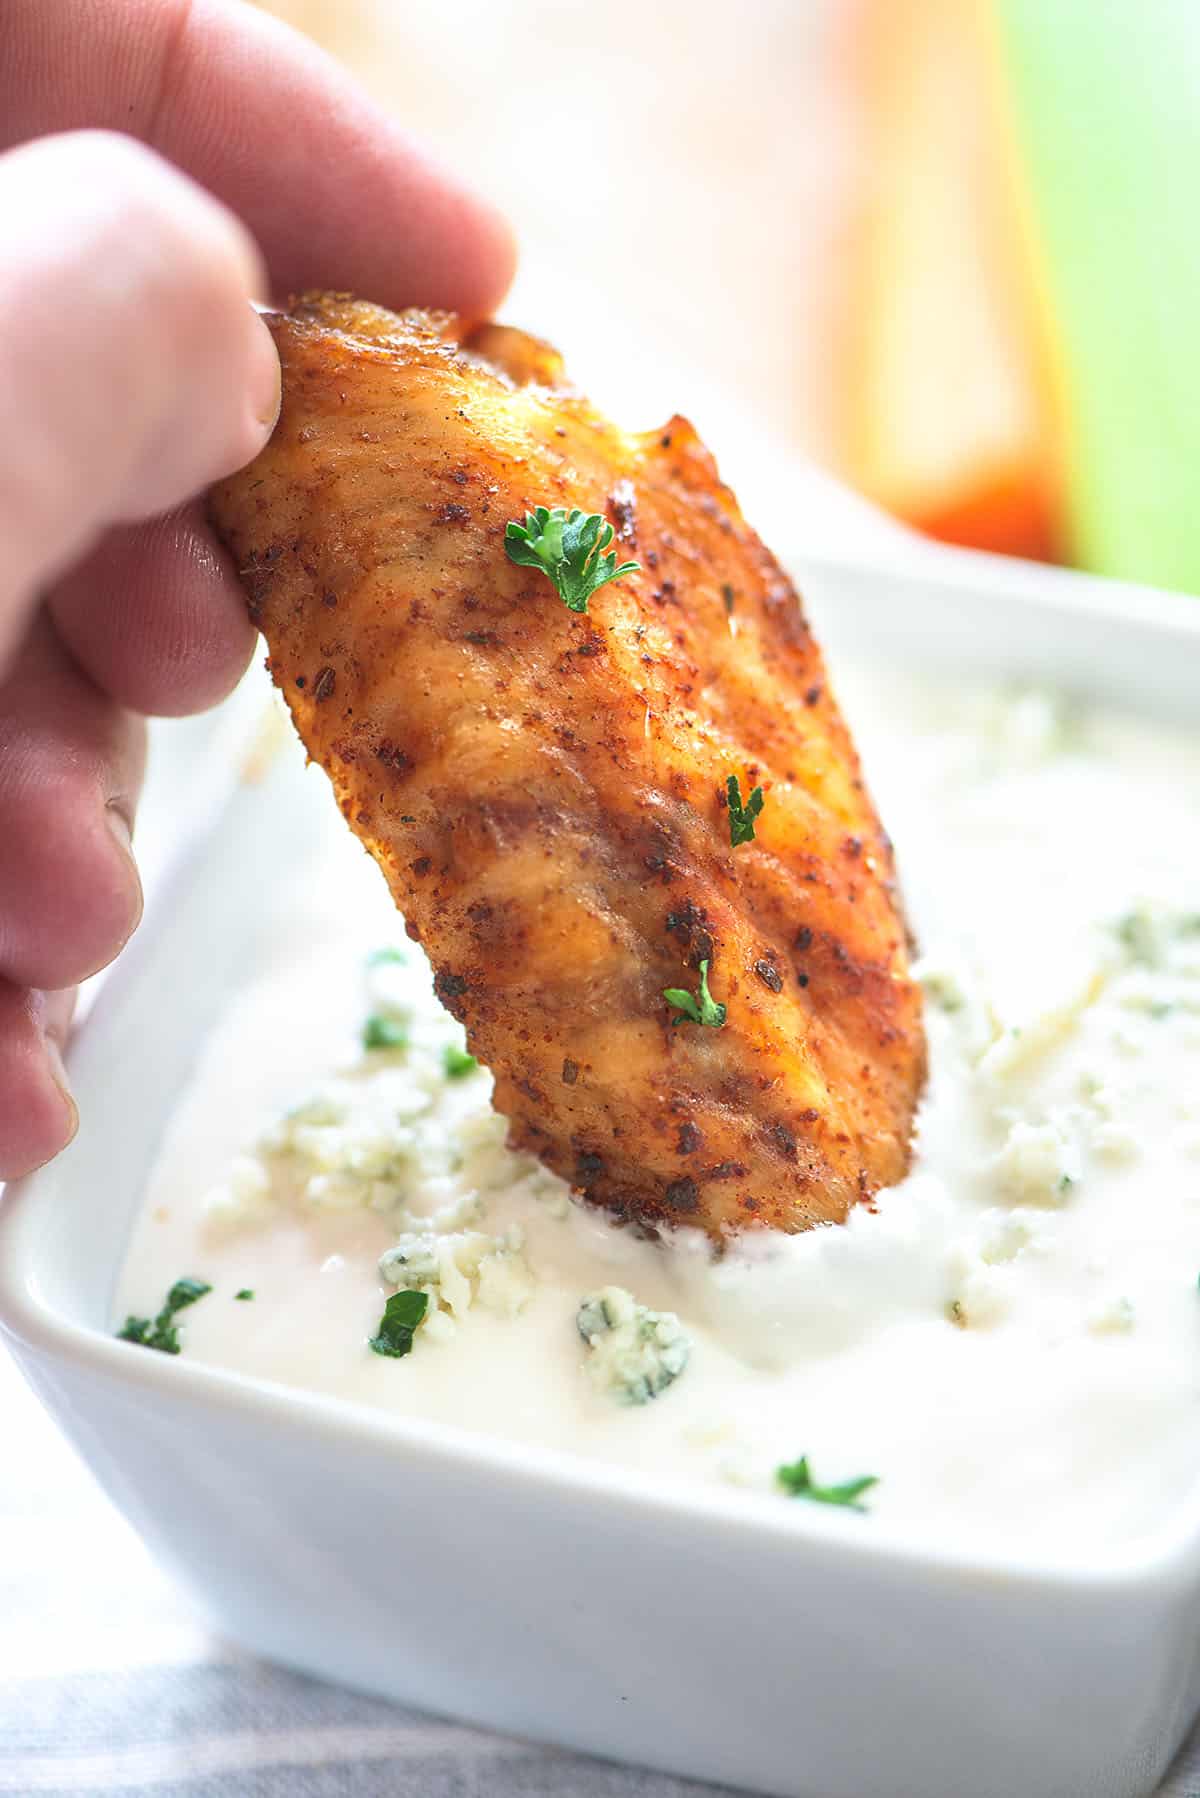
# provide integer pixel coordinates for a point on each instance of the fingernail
(254, 271)
(58, 1074)
(117, 819)
(58, 1011)
(266, 376)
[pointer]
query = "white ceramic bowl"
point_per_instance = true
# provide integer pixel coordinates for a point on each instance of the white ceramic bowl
(780, 1648)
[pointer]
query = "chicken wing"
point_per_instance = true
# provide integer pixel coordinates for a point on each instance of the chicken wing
(546, 791)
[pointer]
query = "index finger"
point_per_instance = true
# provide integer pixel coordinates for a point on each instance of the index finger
(334, 192)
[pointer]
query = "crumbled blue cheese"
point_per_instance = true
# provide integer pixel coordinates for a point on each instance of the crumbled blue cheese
(1154, 933)
(1039, 1163)
(1006, 1234)
(982, 1285)
(391, 1132)
(633, 1353)
(1030, 725)
(1155, 995)
(1113, 1316)
(1106, 1112)
(980, 1300)
(358, 1140)
(942, 982)
(1018, 1046)
(416, 1260)
(1144, 933)
(950, 984)
(459, 1268)
(504, 1280)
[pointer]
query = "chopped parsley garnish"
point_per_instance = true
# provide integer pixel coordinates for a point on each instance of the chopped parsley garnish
(161, 1332)
(383, 1032)
(696, 1008)
(247, 1292)
(457, 1062)
(568, 548)
(796, 1479)
(741, 817)
(401, 1315)
(383, 957)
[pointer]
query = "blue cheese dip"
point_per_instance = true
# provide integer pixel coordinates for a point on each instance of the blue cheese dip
(1008, 1341)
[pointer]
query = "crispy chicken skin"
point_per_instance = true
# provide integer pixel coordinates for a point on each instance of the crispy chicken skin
(545, 791)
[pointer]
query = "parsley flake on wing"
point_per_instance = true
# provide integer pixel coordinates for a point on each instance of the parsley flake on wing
(568, 547)
(696, 1008)
(398, 1325)
(796, 1479)
(161, 1332)
(741, 817)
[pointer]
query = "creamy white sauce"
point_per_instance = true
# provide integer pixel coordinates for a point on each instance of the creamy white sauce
(1009, 1341)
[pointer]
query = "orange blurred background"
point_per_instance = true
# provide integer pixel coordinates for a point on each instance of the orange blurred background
(815, 216)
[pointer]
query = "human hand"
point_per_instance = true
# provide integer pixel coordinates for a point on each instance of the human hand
(133, 371)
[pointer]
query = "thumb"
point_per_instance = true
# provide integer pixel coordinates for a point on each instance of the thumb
(133, 368)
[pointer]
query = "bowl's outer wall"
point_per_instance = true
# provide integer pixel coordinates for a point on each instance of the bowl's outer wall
(677, 1637)
(676, 1640)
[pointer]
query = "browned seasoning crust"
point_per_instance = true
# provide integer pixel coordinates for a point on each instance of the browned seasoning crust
(545, 791)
